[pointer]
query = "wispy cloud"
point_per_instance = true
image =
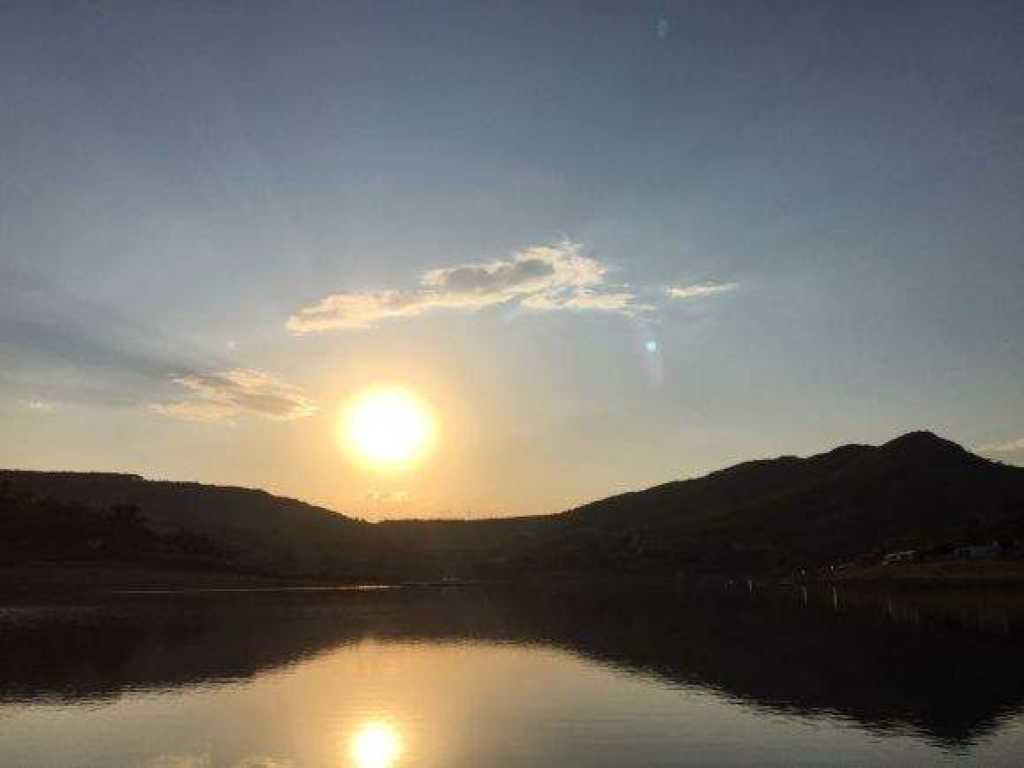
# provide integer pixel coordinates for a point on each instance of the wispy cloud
(699, 289)
(223, 397)
(178, 761)
(40, 406)
(67, 350)
(586, 299)
(263, 762)
(1010, 446)
(204, 761)
(547, 278)
(387, 497)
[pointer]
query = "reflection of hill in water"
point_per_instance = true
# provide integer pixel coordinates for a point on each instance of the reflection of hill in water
(886, 663)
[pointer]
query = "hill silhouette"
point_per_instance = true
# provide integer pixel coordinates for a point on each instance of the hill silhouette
(251, 529)
(917, 490)
(774, 515)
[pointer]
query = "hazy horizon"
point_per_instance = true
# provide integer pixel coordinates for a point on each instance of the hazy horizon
(441, 515)
(599, 247)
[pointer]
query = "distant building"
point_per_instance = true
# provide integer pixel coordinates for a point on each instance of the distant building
(906, 556)
(979, 551)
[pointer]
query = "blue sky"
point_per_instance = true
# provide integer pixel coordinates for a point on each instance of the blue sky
(219, 223)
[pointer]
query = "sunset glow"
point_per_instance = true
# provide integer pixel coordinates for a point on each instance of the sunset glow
(376, 745)
(388, 428)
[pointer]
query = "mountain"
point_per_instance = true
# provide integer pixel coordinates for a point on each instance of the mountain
(254, 528)
(917, 491)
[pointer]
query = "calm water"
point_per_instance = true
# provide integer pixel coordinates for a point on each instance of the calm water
(466, 677)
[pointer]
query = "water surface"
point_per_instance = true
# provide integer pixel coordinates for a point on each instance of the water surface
(474, 677)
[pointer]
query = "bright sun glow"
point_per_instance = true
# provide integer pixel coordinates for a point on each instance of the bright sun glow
(376, 745)
(388, 428)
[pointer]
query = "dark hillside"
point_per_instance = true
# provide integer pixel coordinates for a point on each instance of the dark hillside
(268, 531)
(918, 491)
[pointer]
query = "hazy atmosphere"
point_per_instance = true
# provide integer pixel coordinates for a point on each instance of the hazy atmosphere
(564, 249)
(475, 385)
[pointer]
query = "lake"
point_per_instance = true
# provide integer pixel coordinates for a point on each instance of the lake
(468, 676)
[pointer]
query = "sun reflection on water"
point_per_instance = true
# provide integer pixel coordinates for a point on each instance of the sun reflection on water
(376, 745)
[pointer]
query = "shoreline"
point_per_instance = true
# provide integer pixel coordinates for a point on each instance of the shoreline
(80, 578)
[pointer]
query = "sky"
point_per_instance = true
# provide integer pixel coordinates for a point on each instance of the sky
(609, 244)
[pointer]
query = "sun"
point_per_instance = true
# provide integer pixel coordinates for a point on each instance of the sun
(388, 428)
(376, 745)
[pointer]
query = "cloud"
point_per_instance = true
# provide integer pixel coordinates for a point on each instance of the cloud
(699, 289)
(549, 277)
(178, 761)
(68, 350)
(1010, 446)
(387, 497)
(225, 396)
(263, 762)
(40, 406)
(585, 299)
(204, 761)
